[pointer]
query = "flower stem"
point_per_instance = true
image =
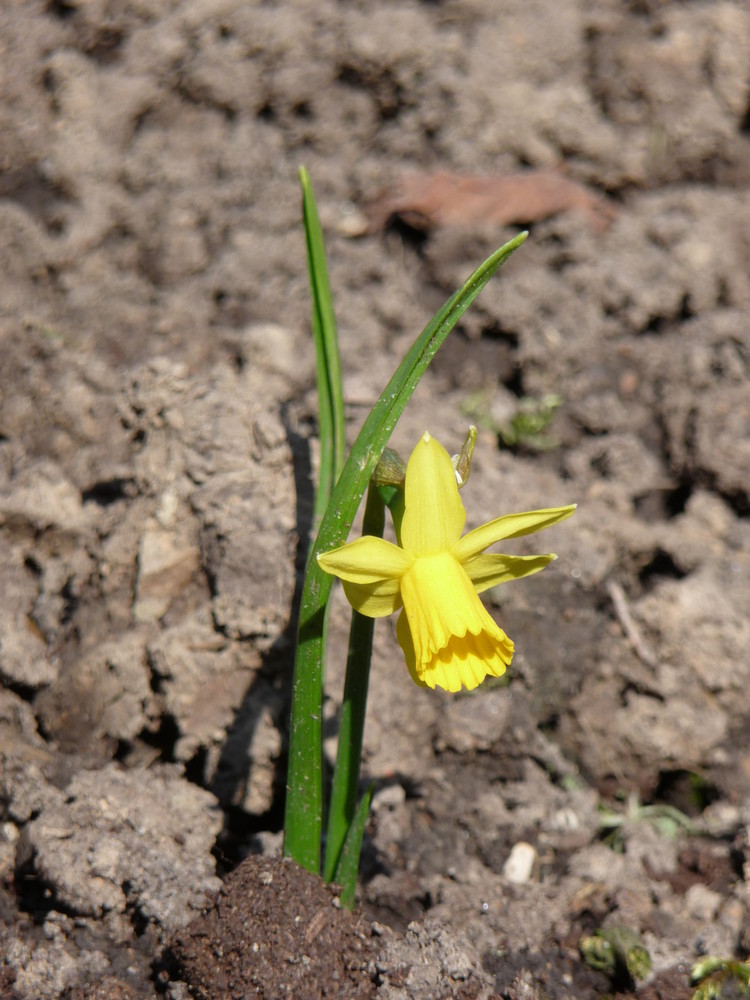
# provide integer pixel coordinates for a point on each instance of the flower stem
(352, 719)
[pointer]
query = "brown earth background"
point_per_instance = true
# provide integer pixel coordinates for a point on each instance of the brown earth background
(157, 448)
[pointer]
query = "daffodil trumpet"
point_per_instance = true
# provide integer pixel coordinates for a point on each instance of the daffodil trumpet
(435, 574)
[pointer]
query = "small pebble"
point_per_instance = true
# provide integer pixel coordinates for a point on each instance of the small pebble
(519, 866)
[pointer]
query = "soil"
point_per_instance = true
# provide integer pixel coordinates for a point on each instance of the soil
(157, 454)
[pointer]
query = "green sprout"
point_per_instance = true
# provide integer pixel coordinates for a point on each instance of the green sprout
(618, 951)
(667, 820)
(526, 428)
(711, 974)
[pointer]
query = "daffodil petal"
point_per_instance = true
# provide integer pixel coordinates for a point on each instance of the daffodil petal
(439, 601)
(508, 526)
(465, 662)
(403, 634)
(367, 560)
(434, 516)
(468, 661)
(448, 637)
(375, 600)
(490, 569)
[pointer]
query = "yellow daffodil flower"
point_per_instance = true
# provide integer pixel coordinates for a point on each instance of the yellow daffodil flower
(448, 637)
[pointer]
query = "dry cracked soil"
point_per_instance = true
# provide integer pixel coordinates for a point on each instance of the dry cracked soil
(157, 454)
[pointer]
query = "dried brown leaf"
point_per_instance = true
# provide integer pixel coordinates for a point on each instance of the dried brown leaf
(426, 201)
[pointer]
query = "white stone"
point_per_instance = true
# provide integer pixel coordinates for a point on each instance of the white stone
(519, 866)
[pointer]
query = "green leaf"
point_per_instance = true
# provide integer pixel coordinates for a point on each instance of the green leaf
(348, 864)
(327, 358)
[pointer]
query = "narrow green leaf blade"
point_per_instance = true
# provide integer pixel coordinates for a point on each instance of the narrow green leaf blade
(328, 359)
(373, 437)
(348, 864)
